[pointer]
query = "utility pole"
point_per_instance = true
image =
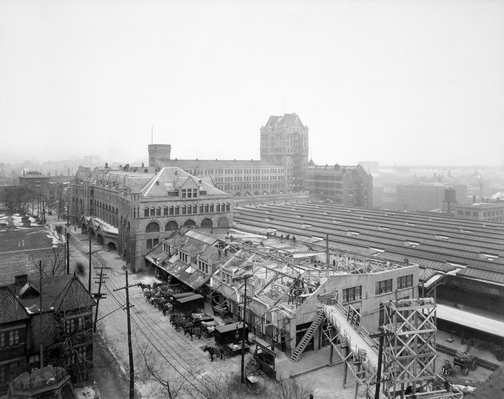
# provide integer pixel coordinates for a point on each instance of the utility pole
(40, 312)
(244, 277)
(327, 249)
(89, 277)
(381, 335)
(130, 348)
(68, 244)
(99, 296)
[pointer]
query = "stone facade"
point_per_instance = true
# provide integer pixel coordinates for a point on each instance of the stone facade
(137, 210)
(284, 142)
(343, 185)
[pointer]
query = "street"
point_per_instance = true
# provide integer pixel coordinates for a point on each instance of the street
(160, 353)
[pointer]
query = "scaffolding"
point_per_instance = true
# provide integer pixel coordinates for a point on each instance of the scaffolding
(410, 348)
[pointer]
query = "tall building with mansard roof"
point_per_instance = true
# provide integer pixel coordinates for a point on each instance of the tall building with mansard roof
(284, 141)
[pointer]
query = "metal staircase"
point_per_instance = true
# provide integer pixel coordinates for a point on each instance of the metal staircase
(296, 354)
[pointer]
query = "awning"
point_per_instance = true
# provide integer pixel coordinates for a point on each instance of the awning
(190, 298)
(471, 320)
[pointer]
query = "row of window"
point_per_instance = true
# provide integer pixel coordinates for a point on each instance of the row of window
(185, 210)
(78, 323)
(234, 171)
(10, 337)
(353, 294)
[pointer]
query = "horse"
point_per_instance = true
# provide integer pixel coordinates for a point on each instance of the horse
(144, 286)
(188, 328)
(213, 350)
(449, 369)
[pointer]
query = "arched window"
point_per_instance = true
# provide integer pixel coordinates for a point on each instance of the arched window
(152, 227)
(211, 208)
(207, 208)
(228, 207)
(146, 212)
(177, 210)
(171, 226)
(165, 211)
(218, 207)
(195, 209)
(172, 211)
(158, 211)
(184, 210)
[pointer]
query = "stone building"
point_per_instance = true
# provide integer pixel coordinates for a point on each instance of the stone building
(237, 177)
(284, 142)
(344, 185)
(134, 208)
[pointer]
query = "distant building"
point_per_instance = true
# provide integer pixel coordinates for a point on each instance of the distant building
(134, 208)
(159, 153)
(483, 211)
(344, 185)
(284, 142)
(237, 177)
(370, 166)
(426, 196)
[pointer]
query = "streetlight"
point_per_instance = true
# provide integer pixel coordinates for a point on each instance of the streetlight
(243, 277)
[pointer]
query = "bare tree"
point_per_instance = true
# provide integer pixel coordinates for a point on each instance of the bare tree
(165, 383)
(69, 332)
(53, 260)
(17, 198)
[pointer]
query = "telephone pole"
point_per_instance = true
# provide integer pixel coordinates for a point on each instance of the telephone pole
(130, 347)
(99, 295)
(90, 263)
(244, 277)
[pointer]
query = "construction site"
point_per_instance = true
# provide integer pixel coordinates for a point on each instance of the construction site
(296, 298)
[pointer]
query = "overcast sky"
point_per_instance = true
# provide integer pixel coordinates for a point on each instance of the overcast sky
(404, 82)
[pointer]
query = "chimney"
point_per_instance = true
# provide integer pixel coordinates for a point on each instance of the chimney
(20, 280)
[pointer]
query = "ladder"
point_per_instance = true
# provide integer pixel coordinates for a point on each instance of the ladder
(307, 337)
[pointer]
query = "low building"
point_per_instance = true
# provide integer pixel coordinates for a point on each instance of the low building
(133, 209)
(483, 211)
(55, 314)
(343, 185)
(427, 196)
(284, 280)
(23, 245)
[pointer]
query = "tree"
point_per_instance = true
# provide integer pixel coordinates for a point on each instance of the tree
(71, 333)
(17, 198)
(53, 261)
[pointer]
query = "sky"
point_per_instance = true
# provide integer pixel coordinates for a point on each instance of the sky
(398, 82)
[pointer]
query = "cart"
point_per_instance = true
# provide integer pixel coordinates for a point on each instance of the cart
(465, 362)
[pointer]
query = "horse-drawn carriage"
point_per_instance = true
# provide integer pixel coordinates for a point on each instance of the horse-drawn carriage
(462, 363)
(229, 338)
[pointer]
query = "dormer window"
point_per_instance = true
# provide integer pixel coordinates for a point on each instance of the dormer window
(189, 193)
